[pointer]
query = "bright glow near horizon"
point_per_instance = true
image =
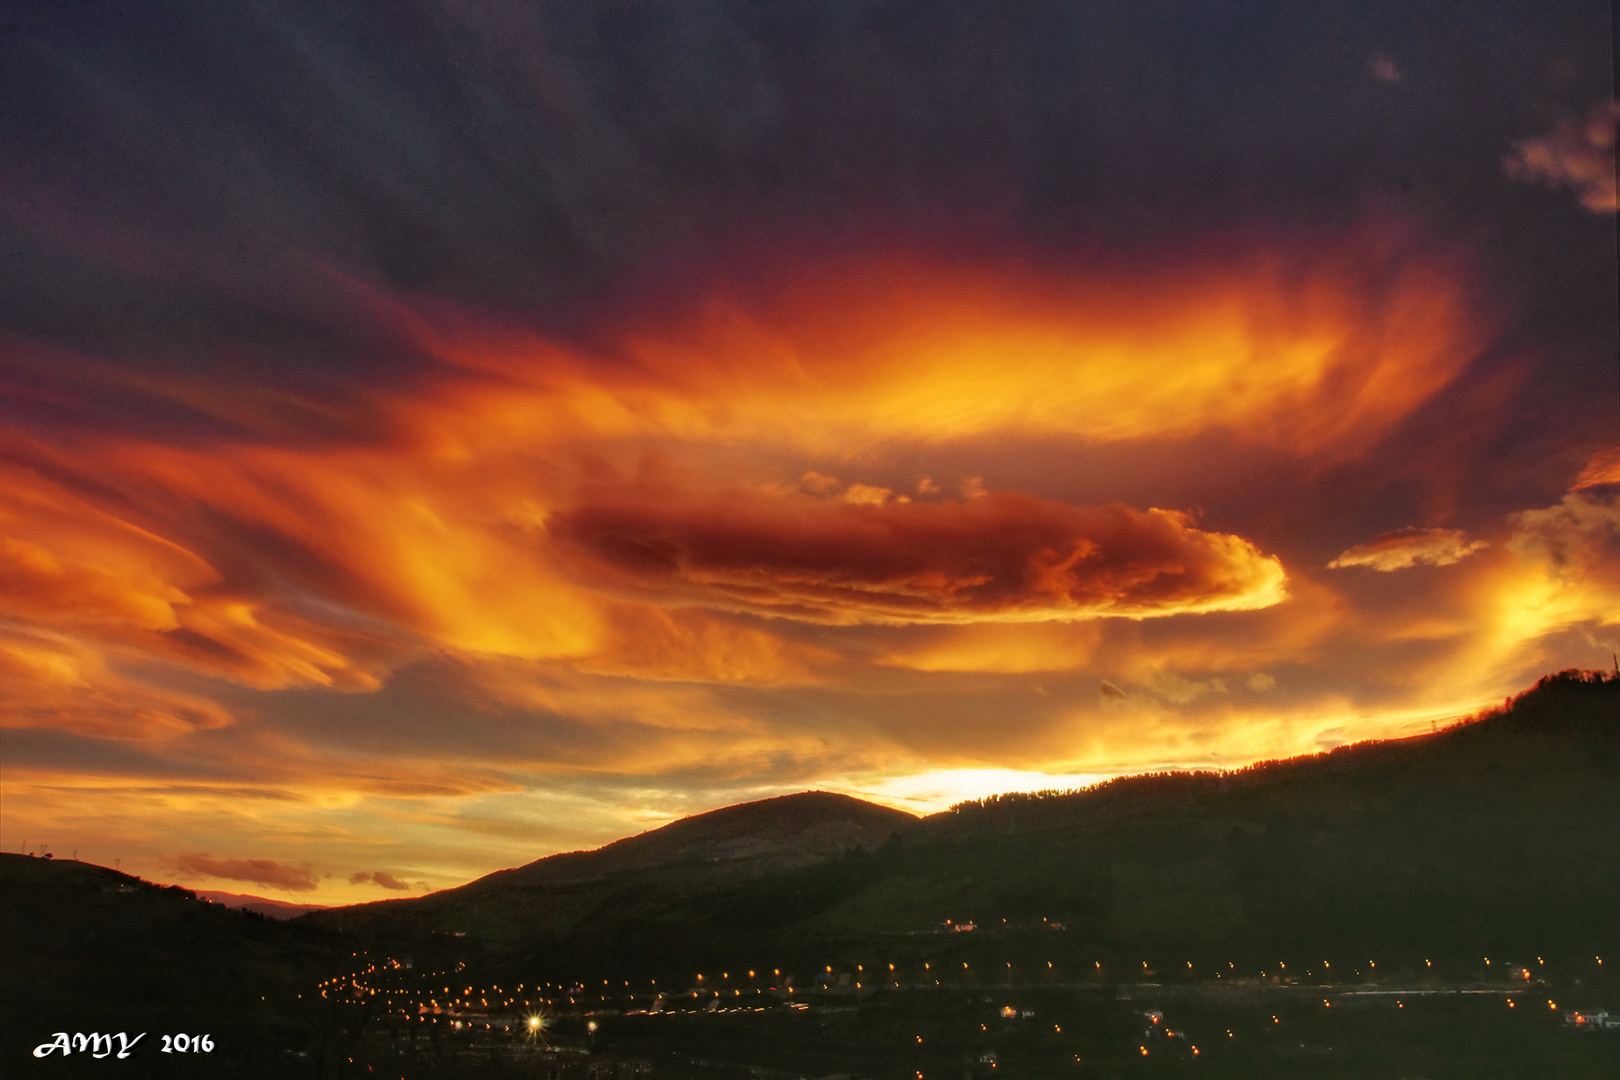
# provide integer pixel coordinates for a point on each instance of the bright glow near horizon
(940, 789)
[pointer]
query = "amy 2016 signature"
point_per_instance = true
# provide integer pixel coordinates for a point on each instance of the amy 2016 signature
(99, 1045)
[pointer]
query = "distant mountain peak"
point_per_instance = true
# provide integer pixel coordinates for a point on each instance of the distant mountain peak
(781, 816)
(261, 905)
(787, 829)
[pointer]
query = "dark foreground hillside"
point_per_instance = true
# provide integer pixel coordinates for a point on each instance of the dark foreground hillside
(1435, 907)
(1492, 837)
(91, 950)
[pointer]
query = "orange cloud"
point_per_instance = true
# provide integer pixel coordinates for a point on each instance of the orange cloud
(1009, 649)
(1602, 468)
(1003, 556)
(627, 559)
(378, 877)
(35, 580)
(1401, 549)
(81, 563)
(1316, 347)
(259, 871)
(282, 567)
(55, 681)
(1577, 543)
(690, 645)
(1578, 154)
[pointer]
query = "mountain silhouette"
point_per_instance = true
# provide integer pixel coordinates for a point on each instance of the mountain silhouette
(692, 855)
(1429, 856)
(1485, 836)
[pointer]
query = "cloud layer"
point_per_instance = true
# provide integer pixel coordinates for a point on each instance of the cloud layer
(378, 877)
(1577, 154)
(1000, 557)
(1400, 549)
(259, 871)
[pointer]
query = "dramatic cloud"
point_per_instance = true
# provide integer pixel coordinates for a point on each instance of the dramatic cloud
(1603, 468)
(1578, 154)
(1404, 548)
(1577, 543)
(437, 435)
(1003, 556)
(53, 681)
(1316, 343)
(259, 871)
(378, 877)
(121, 569)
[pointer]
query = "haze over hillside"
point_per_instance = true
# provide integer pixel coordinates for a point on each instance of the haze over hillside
(1415, 861)
(1484, 833)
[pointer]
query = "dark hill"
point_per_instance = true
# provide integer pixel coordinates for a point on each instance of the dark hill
(259, 905)
(638, 874)
(1542, 746)
(89, 949)
(1494, 838)
(1496, 834)
(787, 831)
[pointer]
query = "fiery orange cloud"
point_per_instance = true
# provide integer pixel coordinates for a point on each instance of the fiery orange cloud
(1400, 549)
(388, 504)
(1602, 468)
(606, 619)
(55, 681)
(1003, 556)
(204, 555)
(79, 564)
(1314, 347)
(1576, 544)
(691, 645)
(1008, 649)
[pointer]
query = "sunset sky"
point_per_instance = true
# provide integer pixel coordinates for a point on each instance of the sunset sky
(437, 434)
